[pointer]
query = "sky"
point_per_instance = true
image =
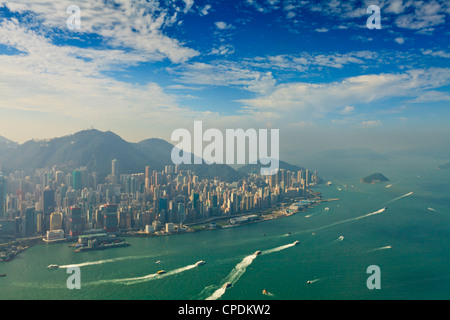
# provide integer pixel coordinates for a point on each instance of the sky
(312, 69)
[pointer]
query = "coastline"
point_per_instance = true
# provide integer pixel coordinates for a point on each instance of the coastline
(282, 210)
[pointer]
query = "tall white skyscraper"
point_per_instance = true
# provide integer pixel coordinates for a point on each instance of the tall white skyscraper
(115, 171)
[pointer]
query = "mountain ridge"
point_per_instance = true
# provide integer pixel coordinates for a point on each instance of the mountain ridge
(95, 150)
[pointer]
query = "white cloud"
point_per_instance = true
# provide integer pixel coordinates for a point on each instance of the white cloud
(307, 100)
(226, 74)
(400, 40)
(322, 30)
(205, 10)
(348, 110)
(223, 25)
(439, 53)
(138, 25)
(370, 124)
(69, 82)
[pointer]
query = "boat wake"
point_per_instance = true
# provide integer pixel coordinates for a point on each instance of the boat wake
(94, 263)
(234, 276)
(382, 248)
(279, 248)
(240, 269)
(404, 196)
(341, 238)
(149, 277)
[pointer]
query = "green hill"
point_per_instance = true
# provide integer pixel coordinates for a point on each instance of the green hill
(96, 149)
(374, 178)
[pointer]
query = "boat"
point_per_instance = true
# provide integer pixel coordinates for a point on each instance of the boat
(53, 267)
(257, 253)
(2, 275)
(102, 246)
(297, 242)
(158, 262)
(200, 263)
(227, 285)
(308, 282)
(265, 292)
(161, 272)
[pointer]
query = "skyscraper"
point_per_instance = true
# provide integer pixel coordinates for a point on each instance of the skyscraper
(48, 206)
(77, 184)
(75, 221)
(115, 171)
(56, 220)
(2, 196)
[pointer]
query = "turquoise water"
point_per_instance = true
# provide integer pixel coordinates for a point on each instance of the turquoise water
(409, 242)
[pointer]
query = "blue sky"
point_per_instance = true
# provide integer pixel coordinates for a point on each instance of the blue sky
(309, 68)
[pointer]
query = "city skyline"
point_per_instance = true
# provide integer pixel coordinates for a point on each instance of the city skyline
(144, 69)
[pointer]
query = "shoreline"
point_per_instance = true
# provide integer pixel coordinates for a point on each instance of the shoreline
(282, 210)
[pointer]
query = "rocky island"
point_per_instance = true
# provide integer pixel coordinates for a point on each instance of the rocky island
(374, 178)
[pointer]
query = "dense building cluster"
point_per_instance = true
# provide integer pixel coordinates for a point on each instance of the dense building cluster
(52, 201)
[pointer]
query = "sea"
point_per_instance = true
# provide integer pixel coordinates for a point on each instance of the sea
(409, 242)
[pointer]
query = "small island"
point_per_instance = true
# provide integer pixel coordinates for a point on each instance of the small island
(374, 178)
(445, 166)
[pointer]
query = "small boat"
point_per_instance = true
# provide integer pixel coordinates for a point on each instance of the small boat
(257, 253)
(2, 275)
(161, 272)
(297, 242)
(308, 282)
(158, 262)
(53, 267)
(227, 285)
(265, 292)
(200, 263)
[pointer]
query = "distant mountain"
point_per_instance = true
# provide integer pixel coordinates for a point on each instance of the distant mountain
(374, 178)
(6, 145)
(256, 168)
(95, 150)
(159, 153)
(356, 153)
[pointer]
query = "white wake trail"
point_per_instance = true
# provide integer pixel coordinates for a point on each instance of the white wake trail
(404, 196)
(234, 276)
(382, 248)
(240, 269)
(93, 263)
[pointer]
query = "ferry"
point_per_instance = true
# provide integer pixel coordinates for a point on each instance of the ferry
(53, 267)
(257, 253)
(103, 246)
(200, 263)
(161, 272)
(227, 285)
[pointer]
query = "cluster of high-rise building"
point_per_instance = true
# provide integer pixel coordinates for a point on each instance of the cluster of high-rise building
(76, 202)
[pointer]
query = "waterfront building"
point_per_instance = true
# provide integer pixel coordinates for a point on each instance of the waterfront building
(56, 221)
(75, 221)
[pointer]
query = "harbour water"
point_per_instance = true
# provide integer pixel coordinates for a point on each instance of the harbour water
(339, 240)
